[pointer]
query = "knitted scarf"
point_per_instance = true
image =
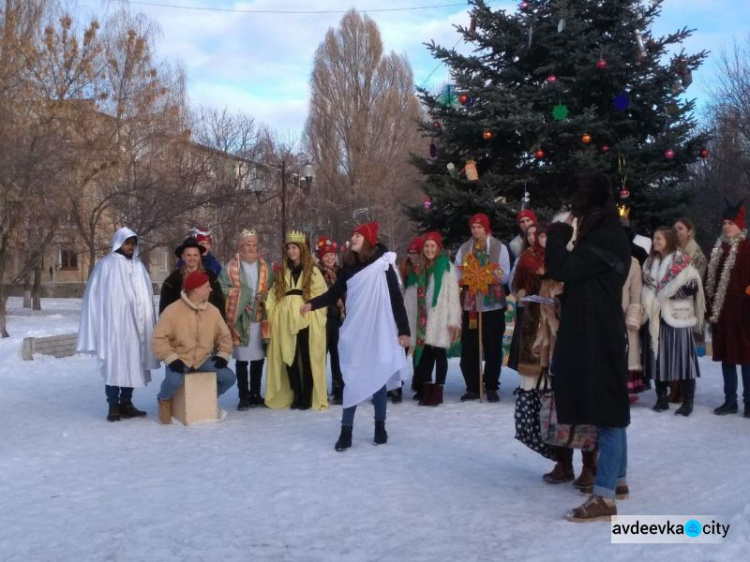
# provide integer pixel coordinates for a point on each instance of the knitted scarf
(439, 267)
(716, 295)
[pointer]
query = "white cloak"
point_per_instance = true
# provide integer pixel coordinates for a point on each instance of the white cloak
(118, 318)
(368, 341)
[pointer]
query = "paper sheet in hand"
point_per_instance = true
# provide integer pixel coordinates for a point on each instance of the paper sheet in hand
(540, 300)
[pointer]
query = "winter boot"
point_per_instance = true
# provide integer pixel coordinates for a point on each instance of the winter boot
(675, 392)
(345, 438)
(747, 410)
(428, 394)
(244, 392)
(165, 412)
(127, 410)
(469, 395)
(438, 394)
(381, 436)
(688, 394)
(256, 375)
(338, 397)
(396, 395)
(563, 470)
(585, 482)
(728, 407)
(662, 403)
(596, 508)
(114, 413)
(492, 395)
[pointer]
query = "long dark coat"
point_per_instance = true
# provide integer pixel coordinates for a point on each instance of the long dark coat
(731, 334)
(590, 361)
(172, 287)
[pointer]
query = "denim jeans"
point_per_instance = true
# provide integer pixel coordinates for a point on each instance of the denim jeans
(173, 380)
(613, 460)
(121, 394)
(729, 370)
(379, 400)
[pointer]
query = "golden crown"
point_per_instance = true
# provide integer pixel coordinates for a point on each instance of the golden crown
(248, 232)
(296, 237)
(623, 210)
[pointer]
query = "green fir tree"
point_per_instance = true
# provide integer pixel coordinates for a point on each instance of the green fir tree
(551, 89)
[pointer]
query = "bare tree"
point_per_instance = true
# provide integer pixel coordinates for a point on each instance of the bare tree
(361, 128)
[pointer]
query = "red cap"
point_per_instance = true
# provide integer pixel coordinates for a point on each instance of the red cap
(194, 280)
(325, 246)
(435, 237)
(201, 233)
(370, 232)
(526, 214)
(739, 219)
(482, 219)
(415, 245)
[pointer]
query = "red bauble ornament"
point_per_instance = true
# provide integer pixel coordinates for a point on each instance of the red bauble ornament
(487, 135)
(601, 64)
(586, 139)
(463, 99)
(436, 124)
(552, 79)
(704, 153)
(624, 194)
(539, 154)
(605, 149)
(524, 6)
(669, 154)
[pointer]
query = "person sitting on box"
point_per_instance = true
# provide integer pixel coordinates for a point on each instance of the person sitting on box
(185, 337)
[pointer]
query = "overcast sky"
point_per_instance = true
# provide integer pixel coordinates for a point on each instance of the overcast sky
(260, 63)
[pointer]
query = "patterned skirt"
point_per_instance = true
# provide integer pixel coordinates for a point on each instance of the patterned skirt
(677, 360)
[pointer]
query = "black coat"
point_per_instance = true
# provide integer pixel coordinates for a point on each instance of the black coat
(589, 363)
(172, 287)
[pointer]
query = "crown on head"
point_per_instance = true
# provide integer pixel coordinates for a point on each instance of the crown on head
(248, 232)
(296, 237)
(623, 210)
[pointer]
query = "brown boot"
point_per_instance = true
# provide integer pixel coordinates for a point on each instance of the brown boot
(165, 412)
(563, 471)
(430, 394)
(585, 482)
(596, 508)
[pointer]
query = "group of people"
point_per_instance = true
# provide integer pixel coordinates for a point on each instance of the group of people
(587, 298)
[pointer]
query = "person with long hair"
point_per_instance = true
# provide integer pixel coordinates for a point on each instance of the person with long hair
(673, 304)
(375, 326)
(438, 319)
(328, 264)
(526, 281)
(296, 373)
(685, 231)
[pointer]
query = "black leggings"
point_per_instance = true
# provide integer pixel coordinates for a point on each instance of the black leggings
(300, 372)
(431, 357)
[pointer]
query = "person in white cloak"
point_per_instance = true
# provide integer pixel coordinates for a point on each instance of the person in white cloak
(375, 326)
(117, 320)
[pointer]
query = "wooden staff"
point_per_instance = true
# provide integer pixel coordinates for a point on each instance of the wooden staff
(481, 367)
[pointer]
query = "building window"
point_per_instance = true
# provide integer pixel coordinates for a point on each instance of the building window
(68, 259)
(162, 263)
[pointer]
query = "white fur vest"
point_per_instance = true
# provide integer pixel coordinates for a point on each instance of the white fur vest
(447, 311)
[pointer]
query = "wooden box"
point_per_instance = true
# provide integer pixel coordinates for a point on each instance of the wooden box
(196, 400)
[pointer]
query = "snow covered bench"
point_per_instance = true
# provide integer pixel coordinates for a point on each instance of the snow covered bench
(196, 400)
(63, 345)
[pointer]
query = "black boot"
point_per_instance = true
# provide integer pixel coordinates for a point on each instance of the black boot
(728, 407)
(662, 392)
(747, 410)
(241, 369)
(114, 413)
(396, 395)
(338, 396)
(256, 375)
(127, 410)
(381, 436)
(688, 394)
(345, 438)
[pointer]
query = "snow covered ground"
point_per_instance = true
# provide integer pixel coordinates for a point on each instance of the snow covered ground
(451, 484)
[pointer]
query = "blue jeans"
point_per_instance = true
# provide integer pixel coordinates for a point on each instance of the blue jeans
(173, 380)
(729, 370)
(124, 394)
(613, 460)
(379, 400)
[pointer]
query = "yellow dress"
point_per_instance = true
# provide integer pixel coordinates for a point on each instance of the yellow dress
(285, 322)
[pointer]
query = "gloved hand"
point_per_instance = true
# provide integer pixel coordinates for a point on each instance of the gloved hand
(220, 362)
(178, 366)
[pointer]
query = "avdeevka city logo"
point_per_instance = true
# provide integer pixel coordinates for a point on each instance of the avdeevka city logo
(693, 528)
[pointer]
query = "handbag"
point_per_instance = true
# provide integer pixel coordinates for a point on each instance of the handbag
(528, 426)
(578, 436)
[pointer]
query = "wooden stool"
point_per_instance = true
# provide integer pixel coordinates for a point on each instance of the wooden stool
(196, 399)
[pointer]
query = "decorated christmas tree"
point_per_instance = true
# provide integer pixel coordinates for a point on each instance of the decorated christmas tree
(554, 88)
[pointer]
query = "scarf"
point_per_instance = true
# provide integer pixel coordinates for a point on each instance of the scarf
(241, 301)
(440, 266)
(716, 294)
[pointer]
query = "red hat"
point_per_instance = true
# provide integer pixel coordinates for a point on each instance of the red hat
(325, 246)
(201, 233)
(415, 245)
(735, 213)
(370, 232)
(526, 214)
(194, 280)
(481, 218)
(435, 237)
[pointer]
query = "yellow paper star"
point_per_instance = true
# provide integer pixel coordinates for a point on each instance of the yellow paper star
(478, 277)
